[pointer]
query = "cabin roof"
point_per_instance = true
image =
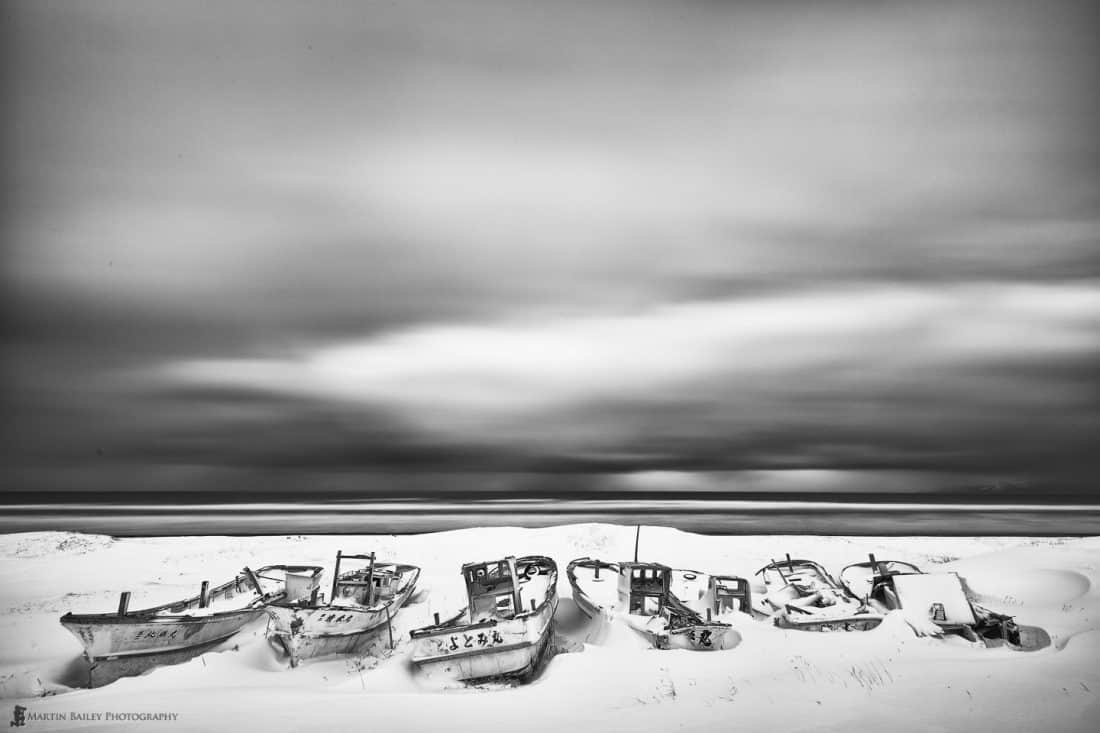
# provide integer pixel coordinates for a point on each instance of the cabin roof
(483, 563)
(631, 565)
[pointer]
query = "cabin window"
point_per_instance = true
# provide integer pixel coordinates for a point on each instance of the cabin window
(645, 605)
(504, 604)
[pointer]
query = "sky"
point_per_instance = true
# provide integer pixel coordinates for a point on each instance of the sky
(550, 249)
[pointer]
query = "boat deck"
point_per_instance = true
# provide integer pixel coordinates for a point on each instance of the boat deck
(234, 595)
(689, 586)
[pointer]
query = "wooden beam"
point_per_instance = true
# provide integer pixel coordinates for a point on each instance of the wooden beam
(123, 603)
(517, 604)
(335, 576)
(204, 594)
(389, 624)
(254, 580)
(370, 582)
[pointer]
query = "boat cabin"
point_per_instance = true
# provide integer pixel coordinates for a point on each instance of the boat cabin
(644, 587)
(492, 589)
(729, 593)
(366, 588)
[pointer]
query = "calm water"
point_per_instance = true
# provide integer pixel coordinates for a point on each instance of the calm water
(718, 517)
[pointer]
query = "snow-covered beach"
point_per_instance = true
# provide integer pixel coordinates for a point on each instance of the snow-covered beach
(607, 680)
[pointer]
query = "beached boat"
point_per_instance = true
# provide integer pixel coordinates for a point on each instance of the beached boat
(504, 630)
(800, 594)
(935, 604)
(361, 608)
(675, 609)
(215, 614)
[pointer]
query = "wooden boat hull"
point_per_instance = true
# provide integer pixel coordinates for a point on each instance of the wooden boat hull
(107, 637)
(858, 622)
(701, 636)
(587, 606)
(319, 631)
(194, 622)
(801, 595)
(585, 602)
(890, 585)
(499, 649)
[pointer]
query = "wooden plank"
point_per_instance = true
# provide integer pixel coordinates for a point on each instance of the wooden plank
(336, 576)
(517, 603)
(254, 580)
(389, 624)
(370, 582)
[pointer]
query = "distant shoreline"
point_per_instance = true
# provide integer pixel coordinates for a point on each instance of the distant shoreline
(415, 517)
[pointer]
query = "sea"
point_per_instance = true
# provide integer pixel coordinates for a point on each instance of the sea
(411, 517)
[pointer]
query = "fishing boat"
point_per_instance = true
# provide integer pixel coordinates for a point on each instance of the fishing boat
(800, 594)
(214, 615)
(674, 609)
(935, 604)
(505, 628)
(363, 603)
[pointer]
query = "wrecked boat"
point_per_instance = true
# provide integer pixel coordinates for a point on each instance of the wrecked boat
(212, 616)
(362, 604)
(674, 609)
(800, 594)
(935, 604)
(505, 628)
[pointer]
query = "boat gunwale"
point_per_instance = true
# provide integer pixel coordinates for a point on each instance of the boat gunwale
(408, 586)
(450, 625)
(486, 652)
(674, 607)
(152, 614)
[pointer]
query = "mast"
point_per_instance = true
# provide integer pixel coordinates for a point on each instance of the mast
(336, 576)
(370, 582)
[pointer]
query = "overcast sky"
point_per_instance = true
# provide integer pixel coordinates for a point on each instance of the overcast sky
(555, 245)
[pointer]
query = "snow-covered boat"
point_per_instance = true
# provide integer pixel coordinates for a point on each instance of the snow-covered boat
(935, 604)
(363, 604)
(503, 631)
(675, 609)
(800, 594)
(215, 614)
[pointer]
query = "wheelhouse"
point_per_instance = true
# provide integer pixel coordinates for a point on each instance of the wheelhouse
(492, 588)
(729, 593)
(644, 587)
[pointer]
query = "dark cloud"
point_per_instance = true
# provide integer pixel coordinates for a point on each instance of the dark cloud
(277, 247)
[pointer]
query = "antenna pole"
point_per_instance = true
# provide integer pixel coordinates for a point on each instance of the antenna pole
(637, 537)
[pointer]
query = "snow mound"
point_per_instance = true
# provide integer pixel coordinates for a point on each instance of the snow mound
(610, 677)
(42, 544)
(1040, 587)
(21, 684)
